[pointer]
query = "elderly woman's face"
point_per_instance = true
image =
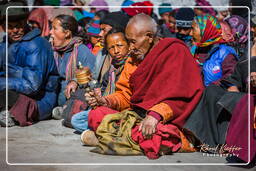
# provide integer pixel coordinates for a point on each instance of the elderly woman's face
(195, 32)
(59, 35)
(117, 45)
(139, 44)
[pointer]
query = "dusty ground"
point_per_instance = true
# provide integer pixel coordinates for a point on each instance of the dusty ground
(50, 142)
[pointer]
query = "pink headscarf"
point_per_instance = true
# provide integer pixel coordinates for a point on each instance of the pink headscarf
(39, 16)
(226, 32)
(210, 11)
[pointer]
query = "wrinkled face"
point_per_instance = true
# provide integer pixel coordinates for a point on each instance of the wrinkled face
(104, 29)
(60, 36)
(139, 41)
(117, 45)
(165, 17)
(16, 30)
(195, 32)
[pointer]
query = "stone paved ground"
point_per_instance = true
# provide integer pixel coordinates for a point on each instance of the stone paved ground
(50, 142)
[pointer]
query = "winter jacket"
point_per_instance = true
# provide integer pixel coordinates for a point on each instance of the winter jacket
(31, 71)
(212, 68)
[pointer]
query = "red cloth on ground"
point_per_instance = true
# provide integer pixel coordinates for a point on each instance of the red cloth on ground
(169, 75)
(237, 134)
(25, 110)
(166, 136)
(96, 115)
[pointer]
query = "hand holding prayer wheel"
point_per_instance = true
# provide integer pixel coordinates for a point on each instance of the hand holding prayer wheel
(83, 76)
(93, 95)
(95, 99)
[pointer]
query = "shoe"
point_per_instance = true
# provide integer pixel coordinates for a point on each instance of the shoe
(5, 115)
(89, 138)
(57, 113)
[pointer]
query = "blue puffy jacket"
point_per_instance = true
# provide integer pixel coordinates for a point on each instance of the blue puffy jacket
(32, 71)
(212, 68)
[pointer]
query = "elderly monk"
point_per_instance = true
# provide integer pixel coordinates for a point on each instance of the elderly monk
(157, 90)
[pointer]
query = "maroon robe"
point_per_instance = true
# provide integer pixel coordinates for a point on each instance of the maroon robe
(168, 74)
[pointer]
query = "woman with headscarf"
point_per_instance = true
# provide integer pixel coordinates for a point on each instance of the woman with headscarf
(210, 50)
(38, 19)
(226, 32)
(69, 50)
(93, 42)
(240, 29)
(221, 113)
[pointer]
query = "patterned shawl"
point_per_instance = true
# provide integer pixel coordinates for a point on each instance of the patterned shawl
(114, 72)
(239, 27)
(72, 61)
(210, 32)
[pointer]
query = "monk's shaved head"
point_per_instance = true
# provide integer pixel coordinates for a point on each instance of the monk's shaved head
(143, 23)
(141, 35)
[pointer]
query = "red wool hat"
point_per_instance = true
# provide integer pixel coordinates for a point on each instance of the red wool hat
(131, 11)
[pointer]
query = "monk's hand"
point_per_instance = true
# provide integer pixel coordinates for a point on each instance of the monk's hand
(71, 87)
(253, 79)
(95, 99)
(148, 126)
(100, 100)
(91, 99)
(233, 89)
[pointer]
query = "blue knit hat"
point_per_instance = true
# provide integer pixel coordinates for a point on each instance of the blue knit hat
(88, 14)
(127, 3)
(94, 29)
(184, 17)
(163, 10)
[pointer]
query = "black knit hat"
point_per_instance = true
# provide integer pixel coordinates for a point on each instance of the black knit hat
(116, 20)
(184, 17)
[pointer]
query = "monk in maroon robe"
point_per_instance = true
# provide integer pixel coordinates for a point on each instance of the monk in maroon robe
(163, 89)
